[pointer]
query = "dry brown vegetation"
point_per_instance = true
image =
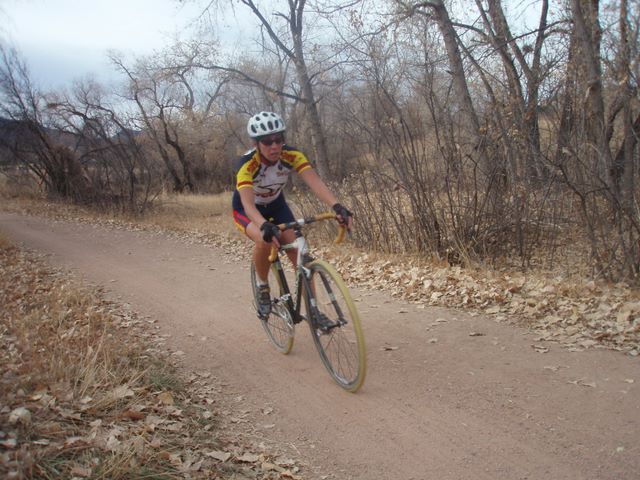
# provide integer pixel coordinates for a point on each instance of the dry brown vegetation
(88, 390)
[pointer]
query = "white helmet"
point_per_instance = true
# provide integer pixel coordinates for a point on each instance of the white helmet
(265, 123)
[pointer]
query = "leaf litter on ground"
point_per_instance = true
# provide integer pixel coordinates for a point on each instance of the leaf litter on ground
(88, 390)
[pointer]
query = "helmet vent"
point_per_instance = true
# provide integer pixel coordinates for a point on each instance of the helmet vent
(265, 123)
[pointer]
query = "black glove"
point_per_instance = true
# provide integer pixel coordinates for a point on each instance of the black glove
(342, 212)
(269, 230)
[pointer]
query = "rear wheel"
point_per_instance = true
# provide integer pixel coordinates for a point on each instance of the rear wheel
(278, 324)
(340, 341)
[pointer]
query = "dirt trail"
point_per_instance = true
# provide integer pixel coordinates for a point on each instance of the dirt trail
(438, 403)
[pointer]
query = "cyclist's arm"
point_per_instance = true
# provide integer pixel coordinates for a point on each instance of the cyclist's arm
(249, 204)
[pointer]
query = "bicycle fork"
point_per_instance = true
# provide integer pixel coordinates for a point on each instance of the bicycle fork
(313, 303)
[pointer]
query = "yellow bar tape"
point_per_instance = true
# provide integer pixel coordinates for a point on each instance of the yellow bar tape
(321, 216)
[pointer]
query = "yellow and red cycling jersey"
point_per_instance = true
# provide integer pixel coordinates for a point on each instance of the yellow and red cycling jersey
(268, 180)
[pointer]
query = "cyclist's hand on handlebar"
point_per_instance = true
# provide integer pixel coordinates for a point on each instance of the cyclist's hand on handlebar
(345, 217)
(270, 233)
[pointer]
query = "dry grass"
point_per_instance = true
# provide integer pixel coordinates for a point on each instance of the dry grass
(72, 370)
(88, 392)
(200, 213)
(19, 187)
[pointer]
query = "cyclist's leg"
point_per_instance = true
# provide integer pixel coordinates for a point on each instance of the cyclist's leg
(280, 212)
(260, 269)
(288, 237)
(261, 251)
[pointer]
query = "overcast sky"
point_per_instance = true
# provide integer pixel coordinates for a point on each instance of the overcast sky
(63, 40)
(67, 39)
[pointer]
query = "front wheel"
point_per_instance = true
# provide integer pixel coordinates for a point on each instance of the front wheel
(335, 327)
(278, 325)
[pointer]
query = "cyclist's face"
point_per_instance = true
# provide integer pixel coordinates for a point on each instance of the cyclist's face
(271, 147)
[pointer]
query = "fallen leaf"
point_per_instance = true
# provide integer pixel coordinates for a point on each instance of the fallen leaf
(113, 444)
(9, 443)
(175, 459)
(20, 415)
(133, 415)
(120, 392)
(288, 474)
(582, 383)
(248, 458)
(81, 471)
(588, 343)
(166, 398)
(218, 455)
(71, 441)
(172, 427)
(270, 467)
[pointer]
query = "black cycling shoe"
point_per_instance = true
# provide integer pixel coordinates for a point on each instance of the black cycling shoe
(323, 322)
(264, 301)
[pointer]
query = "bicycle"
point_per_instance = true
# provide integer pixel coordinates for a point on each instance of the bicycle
(330, 310)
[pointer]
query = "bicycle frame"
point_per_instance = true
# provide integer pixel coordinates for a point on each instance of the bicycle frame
(302, 274)
(303, 258)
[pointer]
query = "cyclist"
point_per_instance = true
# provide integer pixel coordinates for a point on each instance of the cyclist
(258, 200)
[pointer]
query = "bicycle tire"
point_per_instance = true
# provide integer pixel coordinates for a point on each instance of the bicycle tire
(341, 348)
(278, 325)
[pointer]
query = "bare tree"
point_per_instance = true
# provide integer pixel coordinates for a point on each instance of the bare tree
(164, 90)
(32, 144)
(114, 163)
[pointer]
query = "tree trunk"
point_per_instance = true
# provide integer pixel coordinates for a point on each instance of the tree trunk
(317, 131)
(588, 34)
(450, 38)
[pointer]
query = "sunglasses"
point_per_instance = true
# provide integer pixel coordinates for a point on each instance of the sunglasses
(267, 142)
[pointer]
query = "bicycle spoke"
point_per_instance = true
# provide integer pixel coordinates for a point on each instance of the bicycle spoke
(341, 346)
(341, 354)
(278, 325)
